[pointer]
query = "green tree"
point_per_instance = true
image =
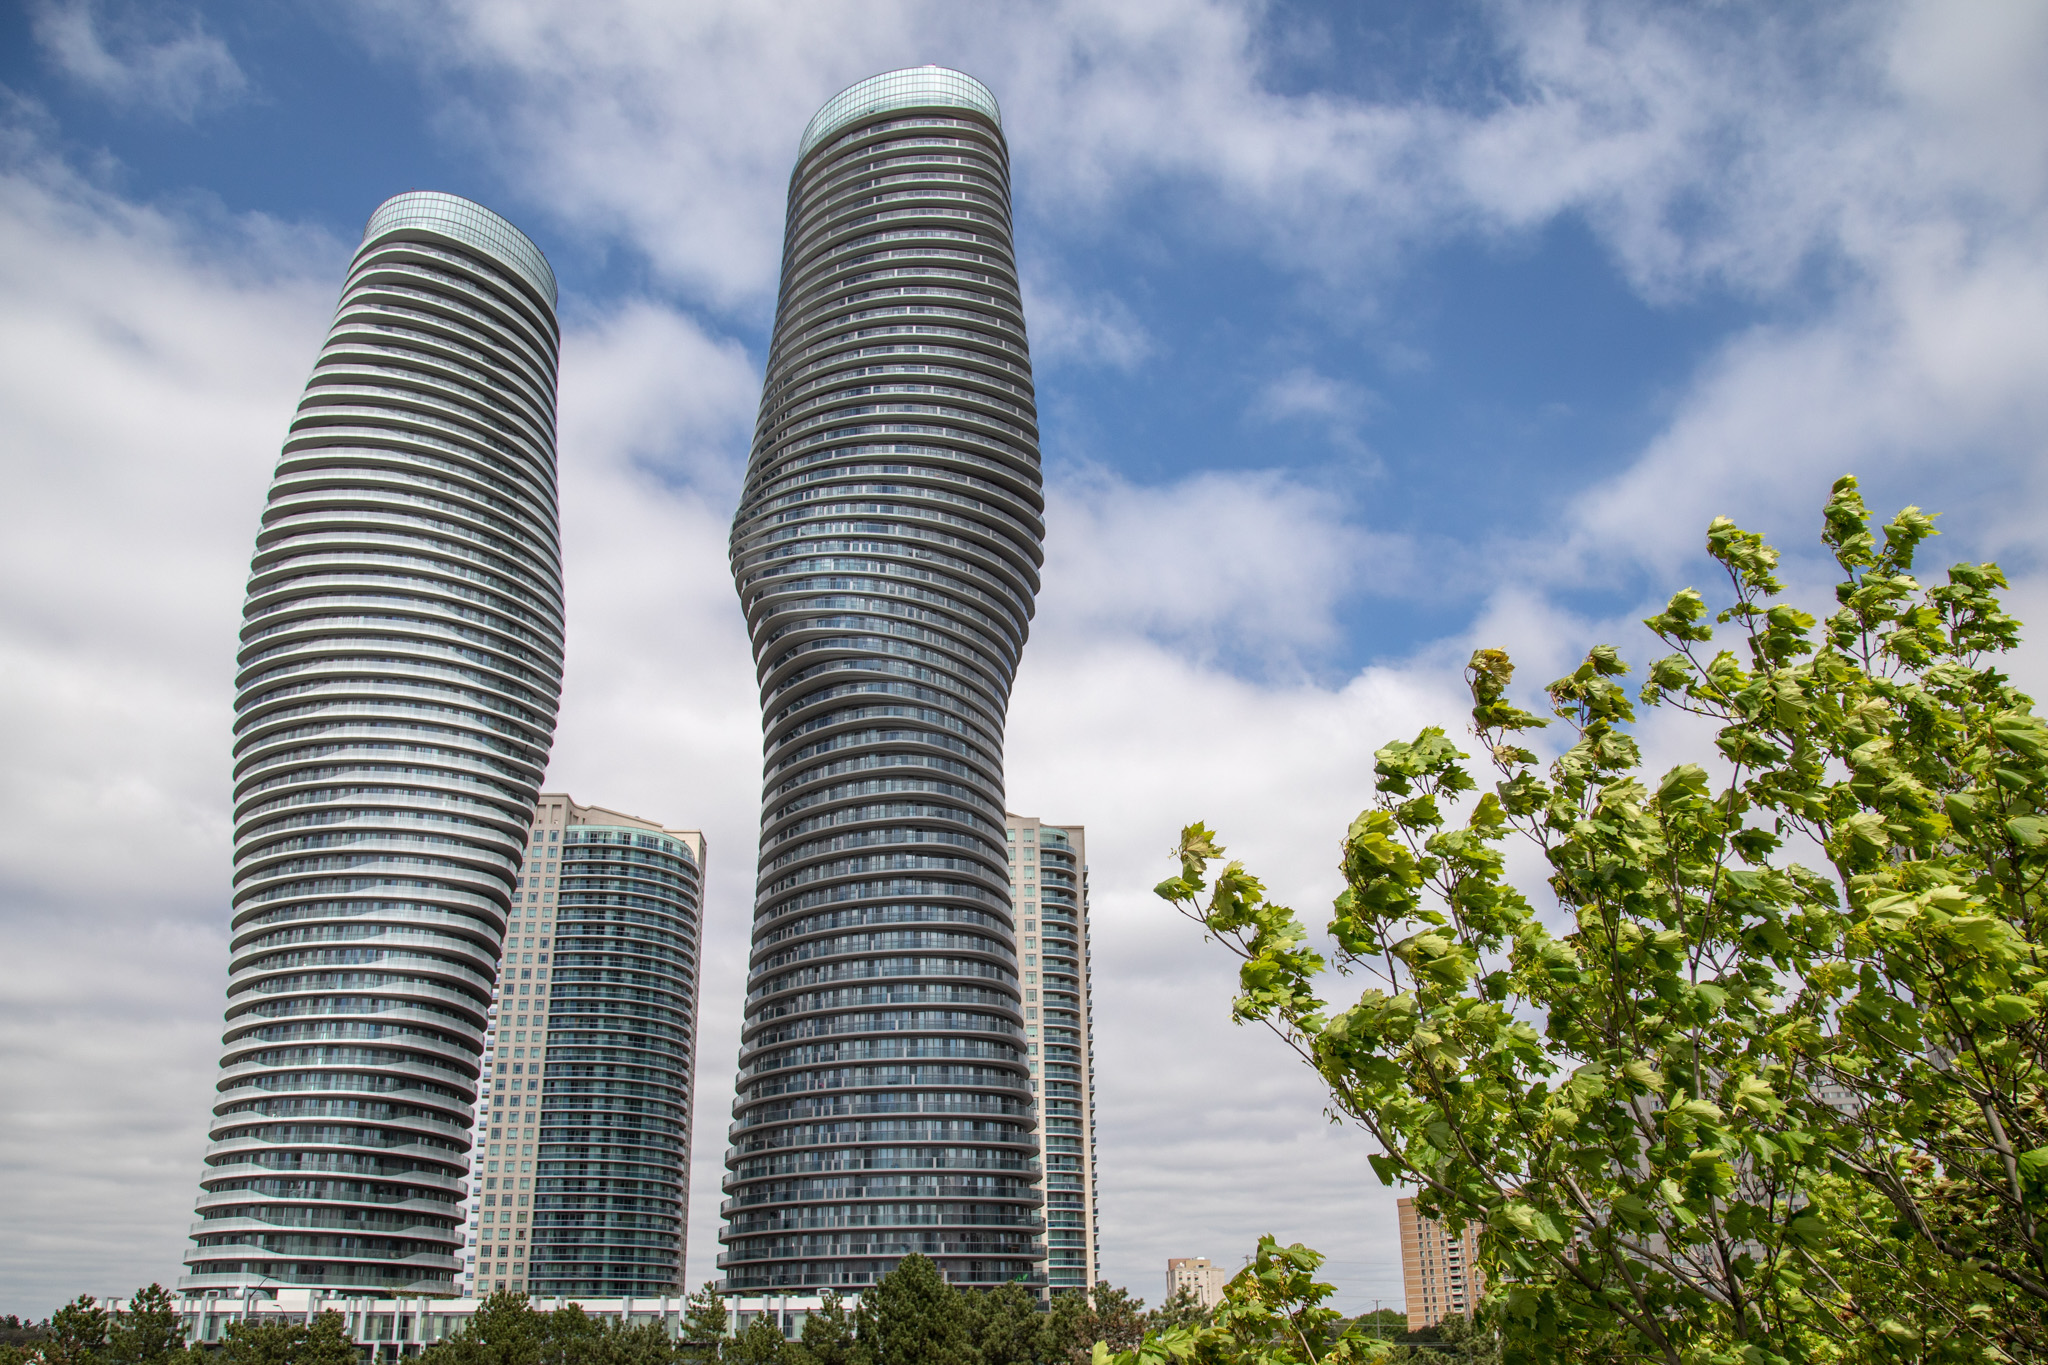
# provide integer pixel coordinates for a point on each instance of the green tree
(149, 1332)
(1670, 1119)
(911, 1316)
(1457, 1340)
(507, 1330)
(1115, 1317)
(326, 1341)
(1273, 1312)
(279, 1341)
(828, 1336)
(569, 1336)
(1385, 1323)
(504, 1330)
(760, 1342)
(704, 1327)
(78, 1333)
(1004, 1323)
(1077, 1320)
(617, 1343)
(261, 1341)
(1181, 1308)
(1062, 1336)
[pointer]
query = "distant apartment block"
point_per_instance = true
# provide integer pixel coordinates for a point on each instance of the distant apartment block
(1440, 1272)
(1198, 1277)
(1049, 887)
(581, 1177)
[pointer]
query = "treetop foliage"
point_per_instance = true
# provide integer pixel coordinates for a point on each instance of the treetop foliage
(1757, 1074)
(911, 1315)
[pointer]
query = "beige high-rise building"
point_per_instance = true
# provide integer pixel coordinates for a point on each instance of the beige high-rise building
(580, 1181)
(1439, 1272)
(1198, 1276)
(1049, 888)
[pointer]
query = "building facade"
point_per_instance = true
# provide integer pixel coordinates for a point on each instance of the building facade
(1049, 886)
(391, 1329)
(1439, 1270)
(886, 552)
(1197, 1277)
(399, 669)
(580, 1182)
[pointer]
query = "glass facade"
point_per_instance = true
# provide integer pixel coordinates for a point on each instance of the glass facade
(1049, 884)
(886, 552)
(581, 1180)
(398, 676)
(915, 87)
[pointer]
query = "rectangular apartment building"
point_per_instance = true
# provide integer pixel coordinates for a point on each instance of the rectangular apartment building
(1198, 1276)
(579, 1183)
(1049, 888)
(1439, 1271)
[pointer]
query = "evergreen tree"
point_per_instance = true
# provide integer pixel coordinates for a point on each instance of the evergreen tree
(1062, 1335)
(78, 1334)
(760, 1342)
(913, 1317)
(704, 1321)
(570, 1336)
(828, 1336)
(1004, 1324)
(149, 1333)
(260, 1342)
(638, 1344)
(325, 1341)
(505, 1330)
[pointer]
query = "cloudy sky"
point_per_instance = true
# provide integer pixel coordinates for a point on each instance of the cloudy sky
(1364, 334)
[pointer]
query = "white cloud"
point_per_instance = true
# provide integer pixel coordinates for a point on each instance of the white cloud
(1211, 1134)
(1339, 406)
(1877, 172)
(143, 391)
(1302, 392)
(647, 387)
(138, 57)
(1726, 146)
(659, 712)
(1071, 329)
(1232, 565)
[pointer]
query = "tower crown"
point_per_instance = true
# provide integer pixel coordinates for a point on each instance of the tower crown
(913, 87)
(468, 223)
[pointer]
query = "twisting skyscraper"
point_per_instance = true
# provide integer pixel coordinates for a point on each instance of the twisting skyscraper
(400, 666)
(886, 551)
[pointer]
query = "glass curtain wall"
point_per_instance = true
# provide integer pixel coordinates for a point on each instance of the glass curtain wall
(399, 670)
(886, 552)
(612, 1188)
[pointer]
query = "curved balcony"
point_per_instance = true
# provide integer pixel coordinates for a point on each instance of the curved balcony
(383, 779)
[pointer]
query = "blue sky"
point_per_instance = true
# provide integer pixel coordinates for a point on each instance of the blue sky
(1365, 334)
(1466, 382)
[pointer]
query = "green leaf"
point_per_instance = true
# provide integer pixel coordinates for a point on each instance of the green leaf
(1707, 1079)
(2028, 831)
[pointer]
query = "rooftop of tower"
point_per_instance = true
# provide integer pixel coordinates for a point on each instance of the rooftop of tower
(913, 87)
(470, 223)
